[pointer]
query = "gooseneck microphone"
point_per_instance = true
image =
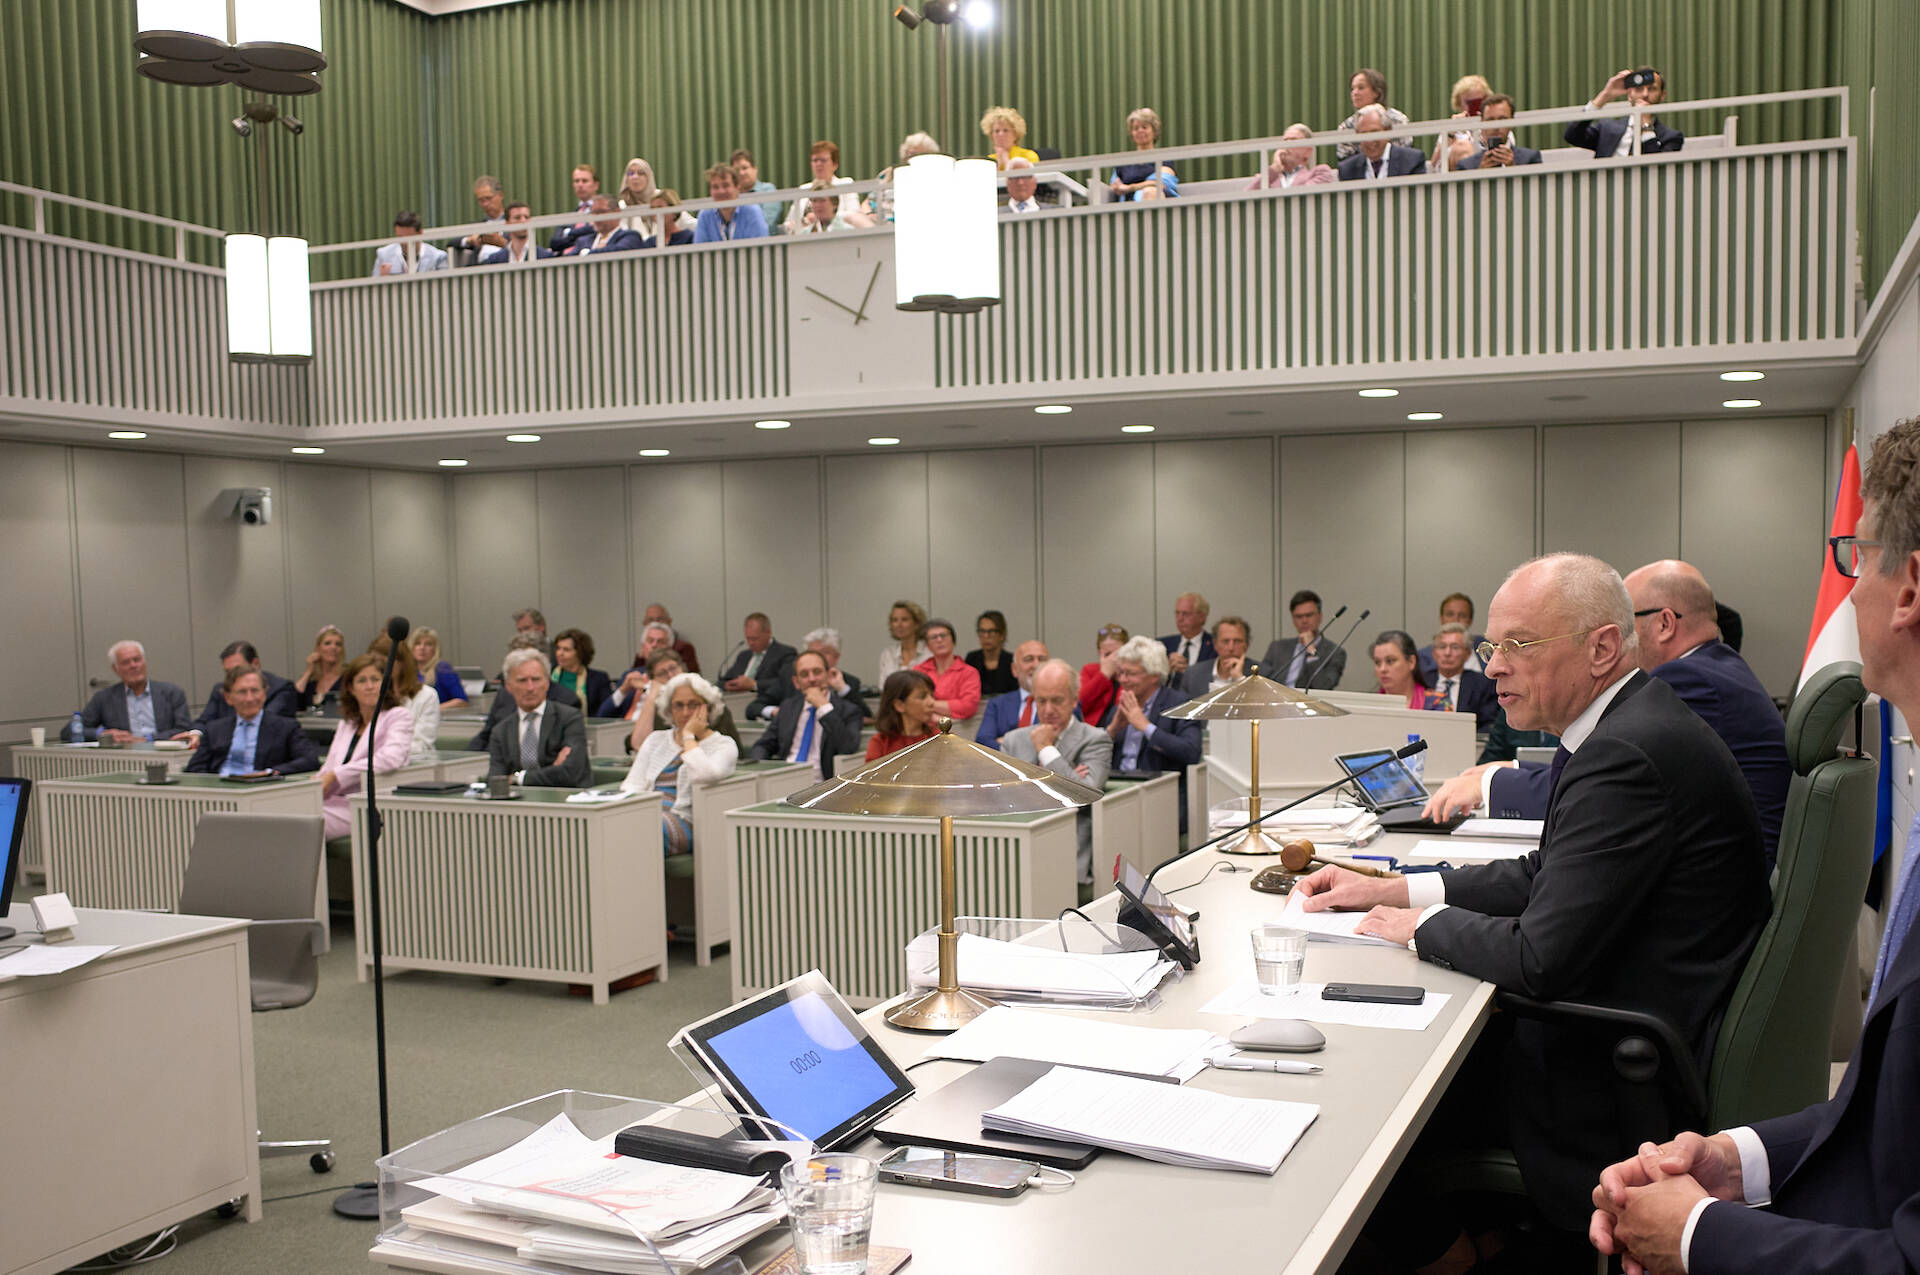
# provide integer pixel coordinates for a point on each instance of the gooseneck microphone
(1320, 662)
(1400, 754)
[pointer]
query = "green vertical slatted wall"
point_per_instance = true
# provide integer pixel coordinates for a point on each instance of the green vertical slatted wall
(415, 107)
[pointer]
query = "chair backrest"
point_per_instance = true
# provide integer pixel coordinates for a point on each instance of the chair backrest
(262, 868)
(1772, 1053)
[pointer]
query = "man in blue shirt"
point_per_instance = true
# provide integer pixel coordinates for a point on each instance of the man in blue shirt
(251, 741)
(744, 222)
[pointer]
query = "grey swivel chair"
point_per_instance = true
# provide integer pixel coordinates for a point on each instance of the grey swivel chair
(266, 869)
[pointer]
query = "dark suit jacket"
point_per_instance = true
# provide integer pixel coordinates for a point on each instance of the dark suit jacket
(107, 710)
(1001, 715)
(282, 745)
(1521, 155)
(1846, 1172)
(1172, 643)
(622, 240)
(503, 705)
(839, 730)
(561, 726)
(767, 695)
(776, 668)
(282, 700)
(1717, 684)
(1473, 693)
(684, 649)
(1402, 161)
(1647, 893)
(1603, 136)
(1174, 744)
(599, 690)
(1321, 671)
(1199, 678)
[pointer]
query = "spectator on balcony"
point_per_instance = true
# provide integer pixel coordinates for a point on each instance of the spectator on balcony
(586, 184)
(665, 229)
(824, 159)
(1610, 137)
(608, 235)
(1294, 165)
(881, 205)
(1380, 159)
(748, 172)
(743, 221)
(1497, 147)
(1004, 128)
(638, 190)
(826, 212)
(1470, 94)
(409, 254)
(1021, 185)
(1150, 180)
(520, 247)
(492, 198)
(1367, 88)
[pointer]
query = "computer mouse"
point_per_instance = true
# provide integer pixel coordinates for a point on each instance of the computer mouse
(1279, 1035)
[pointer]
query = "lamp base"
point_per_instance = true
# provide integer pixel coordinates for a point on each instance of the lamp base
(1252, 841)
(940, 1011)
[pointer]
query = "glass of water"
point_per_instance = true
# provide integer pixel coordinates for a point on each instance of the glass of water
(1279, 955)
(830, 1206)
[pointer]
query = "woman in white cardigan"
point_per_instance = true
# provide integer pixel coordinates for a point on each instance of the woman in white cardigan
(670, 762)
(344, 771)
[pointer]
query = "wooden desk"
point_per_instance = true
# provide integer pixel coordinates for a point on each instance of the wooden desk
(846, 894)
(533, 888)
(69, 761)
(133, 1088)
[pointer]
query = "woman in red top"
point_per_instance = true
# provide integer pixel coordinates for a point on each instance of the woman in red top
(1396, 662)
(956, 683)
(1098, 690)
(906, 713)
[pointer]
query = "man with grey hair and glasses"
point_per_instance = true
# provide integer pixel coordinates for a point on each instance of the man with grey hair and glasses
(542, 743)
(133, 708)
(1646, 894)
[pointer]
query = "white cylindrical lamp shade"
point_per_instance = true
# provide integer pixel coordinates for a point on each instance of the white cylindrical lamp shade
(289, 299)
(919, 207)
(293, 24)
(249, 326)
(971, 262)
(206, 18)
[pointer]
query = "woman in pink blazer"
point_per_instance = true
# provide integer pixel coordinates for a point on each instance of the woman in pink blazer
(344, 771)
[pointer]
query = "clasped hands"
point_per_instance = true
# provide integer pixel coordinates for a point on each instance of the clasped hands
(1334, 889)
(1641, 1205)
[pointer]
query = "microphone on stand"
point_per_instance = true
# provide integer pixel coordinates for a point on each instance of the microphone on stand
(1323, 628)
(362, 1200)
(1400, 754)
(1321, 661)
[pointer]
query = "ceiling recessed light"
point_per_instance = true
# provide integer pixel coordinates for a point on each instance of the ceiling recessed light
(1741, 402)
(1052, 409)
(1424, 416)
(126, 435)
(1136, 429)
(655, 451)
(773, 424)
(1381, 392)
(309, 451)
(452, 464)
(1743, 376)
(884, 442)
(523, 438)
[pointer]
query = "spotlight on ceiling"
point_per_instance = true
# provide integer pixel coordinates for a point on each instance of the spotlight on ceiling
(941, 12)
(243, 126)
(906, 17)
(292, 125)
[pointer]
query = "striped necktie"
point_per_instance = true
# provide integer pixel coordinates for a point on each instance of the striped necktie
(530, 743)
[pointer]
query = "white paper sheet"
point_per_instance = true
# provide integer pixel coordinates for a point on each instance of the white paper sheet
(1003, 1032)
(1519, 829)
(1461, 850)
(997, 967)
(1246, 1000)
(1327, 927)
(41, 959)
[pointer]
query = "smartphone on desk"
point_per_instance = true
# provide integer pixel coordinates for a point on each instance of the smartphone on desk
(957, 1171)
(1374, 993)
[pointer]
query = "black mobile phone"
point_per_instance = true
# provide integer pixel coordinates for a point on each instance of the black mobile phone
(957, 1171)
(1377, 993)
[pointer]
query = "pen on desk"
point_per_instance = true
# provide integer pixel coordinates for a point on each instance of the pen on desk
(1267, 1064)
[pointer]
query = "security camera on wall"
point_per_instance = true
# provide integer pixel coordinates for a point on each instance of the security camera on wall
(253, 506)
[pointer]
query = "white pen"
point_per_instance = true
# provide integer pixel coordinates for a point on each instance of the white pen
(1266, 1064)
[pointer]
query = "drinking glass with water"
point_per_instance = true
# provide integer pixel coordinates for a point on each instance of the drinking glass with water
(830, 1206)
(1279, 956)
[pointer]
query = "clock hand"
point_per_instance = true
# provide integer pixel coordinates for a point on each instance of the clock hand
(868, 294)
(830, 301)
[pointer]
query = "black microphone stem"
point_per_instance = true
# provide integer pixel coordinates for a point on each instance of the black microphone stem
(1321, 662)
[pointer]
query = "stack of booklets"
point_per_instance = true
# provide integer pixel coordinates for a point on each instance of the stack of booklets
(558, 1196)
(1345, 827)
(1031, 971)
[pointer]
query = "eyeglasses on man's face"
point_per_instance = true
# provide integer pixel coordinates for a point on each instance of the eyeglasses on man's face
(1513, 646)
(1846, 553)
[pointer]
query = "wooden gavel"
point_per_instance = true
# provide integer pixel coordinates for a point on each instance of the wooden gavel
(1299, 856)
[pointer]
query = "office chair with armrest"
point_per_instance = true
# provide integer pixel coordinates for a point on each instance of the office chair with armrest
(266, 869)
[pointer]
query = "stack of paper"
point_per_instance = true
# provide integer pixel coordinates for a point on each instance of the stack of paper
(598, 796)
(1080, 1042)
(1325, 826)
(1031, 971)
(1459, 850)
(1325, 927)
(1516, 829)
(559, 1196)
(1188, 1127)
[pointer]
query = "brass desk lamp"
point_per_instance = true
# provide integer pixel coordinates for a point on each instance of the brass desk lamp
(1252, 699)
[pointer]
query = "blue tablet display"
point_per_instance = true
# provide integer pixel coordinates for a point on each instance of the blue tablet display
(802, 1066)
(1388, 786)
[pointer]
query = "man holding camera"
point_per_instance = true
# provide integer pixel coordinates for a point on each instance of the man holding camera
(1497, 147)
(1611, 138)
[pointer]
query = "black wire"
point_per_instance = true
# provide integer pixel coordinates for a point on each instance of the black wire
(301, 1195)
(1089, 920)
(1220, 864)
(971, 1062)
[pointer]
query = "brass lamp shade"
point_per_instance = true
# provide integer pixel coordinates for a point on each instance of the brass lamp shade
(940, 778)
(1253, 699)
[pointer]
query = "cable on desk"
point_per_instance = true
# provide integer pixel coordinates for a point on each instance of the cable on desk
(151, 1249)
(1084, 917)
(971, 1062)
(1220, 866)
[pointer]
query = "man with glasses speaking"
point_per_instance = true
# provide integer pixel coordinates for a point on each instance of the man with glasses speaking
(1647, 893)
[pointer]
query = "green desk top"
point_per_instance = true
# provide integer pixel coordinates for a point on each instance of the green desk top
(528, 796)
(782, 808)
(136, 779)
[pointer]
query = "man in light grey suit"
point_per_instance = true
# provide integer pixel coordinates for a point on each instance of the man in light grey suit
(1308, 661)
(136, 708)
(1229, 663)
(1063, 744)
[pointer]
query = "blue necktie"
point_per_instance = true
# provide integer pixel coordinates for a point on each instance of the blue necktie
(240, 754)
(1906, 902)
(806, 737)
(1297, 664)
(1560, 759)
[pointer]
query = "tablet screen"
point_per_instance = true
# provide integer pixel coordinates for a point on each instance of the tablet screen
(1388, 786)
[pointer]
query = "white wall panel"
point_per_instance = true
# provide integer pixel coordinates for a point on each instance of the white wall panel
(234, 571)
(36, 502)
(1613, 491)
(413, 554)
(1096, 542)
(583, 560)
(330, 544)
(1214, 530)
(133, 559)
(774, 546)
(679, 554)
(497, 555)
(982, 546)
(1470, 518)
(1343, 534)
(878, 516)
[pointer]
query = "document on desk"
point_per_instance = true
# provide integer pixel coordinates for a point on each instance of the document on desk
(1460, 850)
(1044, 1036)
(41, 959)
(1035, 972)
(1246, 1000)
(1517, 829)
(1173, 1125)
(1326, 927)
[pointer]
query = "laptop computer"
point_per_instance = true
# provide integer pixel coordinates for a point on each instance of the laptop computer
(1392, 792)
